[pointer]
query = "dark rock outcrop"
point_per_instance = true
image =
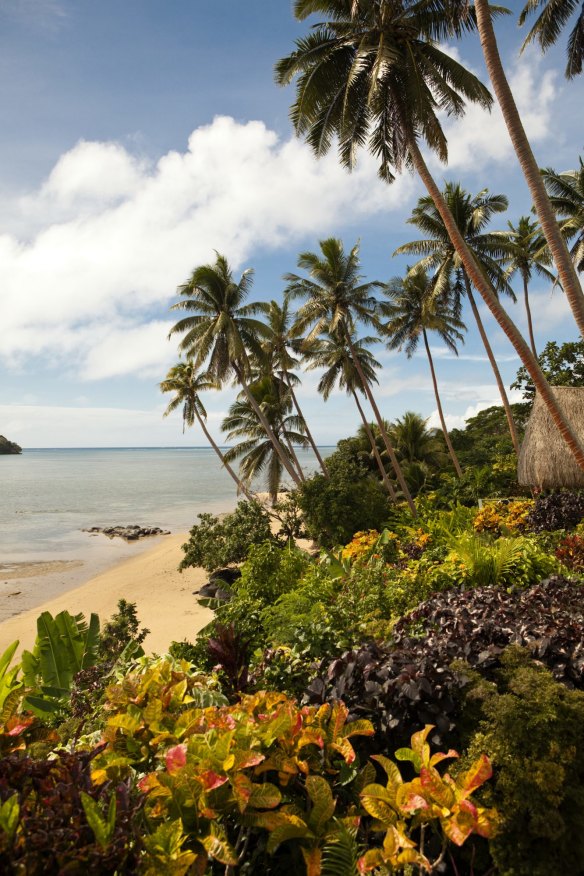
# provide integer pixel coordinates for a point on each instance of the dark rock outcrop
(128, 533)
(7, 446)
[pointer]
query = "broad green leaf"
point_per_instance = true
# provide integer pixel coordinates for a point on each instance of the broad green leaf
(391, 769)
(6, 658)
(218, 848)
(378, 802)
(9, 814)
(54, 661)
(103, 828)
(408, 754)
(323, 804)
(295, 829)
(266, 796)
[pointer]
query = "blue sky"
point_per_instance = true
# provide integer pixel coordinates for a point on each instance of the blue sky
(140, 136)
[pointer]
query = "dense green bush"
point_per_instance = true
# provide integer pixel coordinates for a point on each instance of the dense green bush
(532, 731)
(271, 570)
(349, 500)
(214, 543)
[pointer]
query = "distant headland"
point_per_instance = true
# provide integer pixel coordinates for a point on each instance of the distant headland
(7, 446)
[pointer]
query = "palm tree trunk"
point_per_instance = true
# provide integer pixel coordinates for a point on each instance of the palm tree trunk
(453, 455)
(491, 300)
(367, 427)
(528, 311)
(267, 428)
(240, 485)
(294, 458)
(391, 452)
(493, 361)
(308, 433)
(566, 271)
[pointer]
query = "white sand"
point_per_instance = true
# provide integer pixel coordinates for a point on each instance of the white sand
(163, 596)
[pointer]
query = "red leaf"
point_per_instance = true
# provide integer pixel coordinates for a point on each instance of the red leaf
(176, 758)
(211, 780)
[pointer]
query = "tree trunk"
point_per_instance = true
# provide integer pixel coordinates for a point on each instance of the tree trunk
(494, 366)
(367, 427)
(308, 433)
(267, 428)
(491, 300)
(528, 311)
(294, 457)
(545, 212)
(391, 452)
(240, 485)
(453, 455)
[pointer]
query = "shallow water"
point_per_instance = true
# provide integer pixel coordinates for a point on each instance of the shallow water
(48, 496)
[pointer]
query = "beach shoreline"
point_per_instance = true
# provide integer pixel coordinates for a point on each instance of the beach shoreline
(164, 597)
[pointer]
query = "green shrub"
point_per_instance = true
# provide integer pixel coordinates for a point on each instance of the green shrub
(214, 543)
(271, 570)
(336, 507)
(532, 731)
(478, 561)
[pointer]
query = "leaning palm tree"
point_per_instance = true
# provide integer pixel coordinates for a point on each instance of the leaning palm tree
(373, 73)
(187, 385)
(254, 450)
(549, 24)
(335, 299)
(566, 191)
(412, 310)
(281, 345)
(339, 365)
(220, 329)
(527, 161)
(525, 254)
(471, 214)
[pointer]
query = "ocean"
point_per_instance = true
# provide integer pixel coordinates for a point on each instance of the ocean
(47, 497)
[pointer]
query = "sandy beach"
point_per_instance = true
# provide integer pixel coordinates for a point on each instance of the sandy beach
(163, 596)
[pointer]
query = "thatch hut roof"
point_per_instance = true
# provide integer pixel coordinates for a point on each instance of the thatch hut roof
(545, 460)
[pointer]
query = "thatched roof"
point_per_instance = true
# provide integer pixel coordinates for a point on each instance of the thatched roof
(545, 460)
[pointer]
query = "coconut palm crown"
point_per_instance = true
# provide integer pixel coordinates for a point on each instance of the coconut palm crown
(374, 73)
(566, 191)
(549, 24)
(219, 327)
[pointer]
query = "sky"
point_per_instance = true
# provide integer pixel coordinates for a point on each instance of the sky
(140, 137)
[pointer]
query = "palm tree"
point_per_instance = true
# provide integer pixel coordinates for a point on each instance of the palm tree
(555, 16)
(526, 252)
(220, 329)
(280, 345)
(187, 385)
(255, 450)
(373, 74)
(548, 26)
(566, 191)
(413, 310)
(418, 448)
(339, 363)
(471, 215)
(335, 298)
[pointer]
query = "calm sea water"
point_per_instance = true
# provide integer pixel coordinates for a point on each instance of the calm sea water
(48, 496)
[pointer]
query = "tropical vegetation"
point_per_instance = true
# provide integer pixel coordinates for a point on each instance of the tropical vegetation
(393, 678)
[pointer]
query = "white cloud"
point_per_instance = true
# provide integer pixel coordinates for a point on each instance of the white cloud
(481, 137)
(489, 397)
(109, 237)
